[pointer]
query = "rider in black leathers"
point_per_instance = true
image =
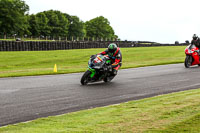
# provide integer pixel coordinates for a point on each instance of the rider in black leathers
(196, 41)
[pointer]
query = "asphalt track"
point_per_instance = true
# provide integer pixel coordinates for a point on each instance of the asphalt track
(27, 98)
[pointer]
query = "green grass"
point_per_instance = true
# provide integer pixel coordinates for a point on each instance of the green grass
(7, 39)
(25, 63)
(176, 112)
(23, 39)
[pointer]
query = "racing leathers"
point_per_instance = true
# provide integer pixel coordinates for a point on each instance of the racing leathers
(116, 59)
(196, 42)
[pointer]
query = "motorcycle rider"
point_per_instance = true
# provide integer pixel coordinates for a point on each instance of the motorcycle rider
(196, 41)
(115, 55)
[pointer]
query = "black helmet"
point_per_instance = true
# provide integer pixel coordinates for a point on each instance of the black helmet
(112, 48)
(195, 37)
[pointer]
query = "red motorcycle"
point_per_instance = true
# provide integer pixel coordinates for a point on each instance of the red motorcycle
(192, 56)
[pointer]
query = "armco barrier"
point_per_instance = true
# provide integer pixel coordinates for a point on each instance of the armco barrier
(64, 45)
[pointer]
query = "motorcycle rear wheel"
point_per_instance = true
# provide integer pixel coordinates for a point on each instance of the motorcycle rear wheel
(188, 61)
(108, 79)
(85, 78)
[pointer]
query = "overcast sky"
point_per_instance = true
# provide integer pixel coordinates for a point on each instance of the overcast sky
(164, 21)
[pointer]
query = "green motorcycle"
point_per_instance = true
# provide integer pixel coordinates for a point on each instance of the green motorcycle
(99, 68)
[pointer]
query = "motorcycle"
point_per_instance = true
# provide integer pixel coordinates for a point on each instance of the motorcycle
(99, 68)
(192, 56)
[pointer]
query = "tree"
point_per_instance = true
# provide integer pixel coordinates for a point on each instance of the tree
(13, 17)
(33, 25)
(42, 24)
(99, 27)
(57, 23)
(76, 27)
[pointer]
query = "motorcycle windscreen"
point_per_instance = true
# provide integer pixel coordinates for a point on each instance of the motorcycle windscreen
(98, 61)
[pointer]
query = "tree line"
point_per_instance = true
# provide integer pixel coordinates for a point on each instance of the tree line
(15, 20)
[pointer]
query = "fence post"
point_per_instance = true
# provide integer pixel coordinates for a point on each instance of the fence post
(14, 36)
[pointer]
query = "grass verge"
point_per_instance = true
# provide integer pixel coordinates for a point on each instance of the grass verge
(176, 112)
(24, 63)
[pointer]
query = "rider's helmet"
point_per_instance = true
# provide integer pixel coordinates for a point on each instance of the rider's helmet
(195, 37)
(112, 48)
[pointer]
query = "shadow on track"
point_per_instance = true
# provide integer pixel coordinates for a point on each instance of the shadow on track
(100, 84)
(193, 67)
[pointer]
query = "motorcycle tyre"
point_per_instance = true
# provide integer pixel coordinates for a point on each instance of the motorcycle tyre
(108, 79)
(187, 59)
(84, 79)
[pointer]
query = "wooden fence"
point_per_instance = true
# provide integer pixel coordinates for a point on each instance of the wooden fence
(64, 45)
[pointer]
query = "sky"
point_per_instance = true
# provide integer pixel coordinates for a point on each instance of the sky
(162, 21)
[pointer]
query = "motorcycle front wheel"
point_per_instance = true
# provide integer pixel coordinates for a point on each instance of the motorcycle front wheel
(188, 61)
(86, 78)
